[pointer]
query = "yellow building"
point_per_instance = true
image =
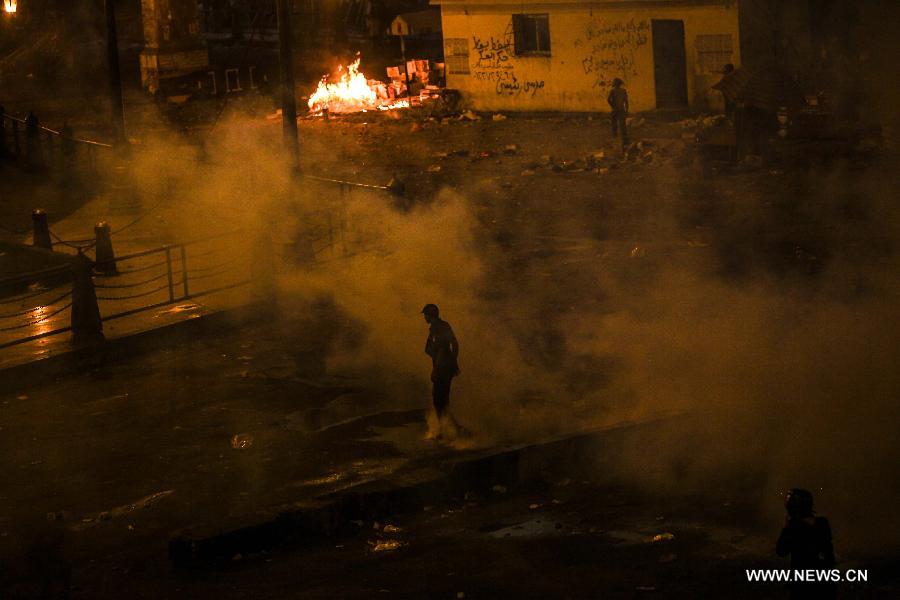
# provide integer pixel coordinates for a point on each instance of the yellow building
(562, 55)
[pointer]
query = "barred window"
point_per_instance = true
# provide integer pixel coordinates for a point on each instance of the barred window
(713, 52)
(456, 55)
(532, 34)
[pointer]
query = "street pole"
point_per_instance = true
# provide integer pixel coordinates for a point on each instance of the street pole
(288, 101)
(405, 65)
(117, 105)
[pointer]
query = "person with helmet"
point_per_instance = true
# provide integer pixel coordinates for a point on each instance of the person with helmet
(807, 538)
(443, 348)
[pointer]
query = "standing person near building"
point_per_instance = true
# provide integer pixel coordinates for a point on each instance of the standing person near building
(443, 348)
(727, 71)
(618, 102)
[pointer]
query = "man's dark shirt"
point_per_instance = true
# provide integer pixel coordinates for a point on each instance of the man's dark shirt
(443, 349)
(618, 99)
(808, 541)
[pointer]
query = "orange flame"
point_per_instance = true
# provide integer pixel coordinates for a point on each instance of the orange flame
(10, 6)
(352, 93)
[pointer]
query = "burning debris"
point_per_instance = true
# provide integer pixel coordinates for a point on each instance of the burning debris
(353, 92)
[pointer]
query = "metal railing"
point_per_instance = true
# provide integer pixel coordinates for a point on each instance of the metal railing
(41, 146)
(127, 285)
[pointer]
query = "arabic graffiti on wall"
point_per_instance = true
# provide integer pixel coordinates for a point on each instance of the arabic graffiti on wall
(611, 49)
(495, 63)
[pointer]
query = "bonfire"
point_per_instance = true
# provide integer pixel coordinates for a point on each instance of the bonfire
(352, 92)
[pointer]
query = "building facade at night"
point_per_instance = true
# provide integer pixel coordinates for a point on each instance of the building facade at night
(174, 48)
(563, 55)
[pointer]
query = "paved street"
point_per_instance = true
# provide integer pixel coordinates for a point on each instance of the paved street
(578, 292)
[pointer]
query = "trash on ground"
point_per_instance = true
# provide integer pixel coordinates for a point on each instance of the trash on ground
(241, 441)
(434, 169)
(500, 489)
(510, 149)
(391, 529)
(498, 117)
(662, 537)
(534, 506)
(386, 545)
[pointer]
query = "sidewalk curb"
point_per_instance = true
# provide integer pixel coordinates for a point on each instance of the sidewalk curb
(410, 491)
(83, 358)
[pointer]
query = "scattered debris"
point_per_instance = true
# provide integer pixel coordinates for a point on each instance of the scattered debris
(386, 545)
(498, 117)
(469, 116)
(500, 489)
(638, 252)
(22, 397)
(241, 441)
(527, 173)
(534, 506)
(392, 529)
(510, 149)
(662, 537)
(434, 169)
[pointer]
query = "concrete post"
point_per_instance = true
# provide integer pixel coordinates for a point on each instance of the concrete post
(105, 257)
(288, 99)
(116, 103)
(86, 323)
(41, 237)
(396, 187)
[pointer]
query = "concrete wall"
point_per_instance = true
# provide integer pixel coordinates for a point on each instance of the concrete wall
(590, 46)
